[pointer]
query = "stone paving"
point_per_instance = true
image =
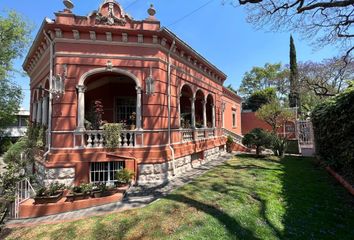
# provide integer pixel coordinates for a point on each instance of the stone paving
(136, 197)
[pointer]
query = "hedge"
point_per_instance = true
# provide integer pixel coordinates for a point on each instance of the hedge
(333, 124)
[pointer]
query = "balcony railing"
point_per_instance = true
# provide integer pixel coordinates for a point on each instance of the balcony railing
(200, 134)
(96, 139)
(197, 134)
(187, 135)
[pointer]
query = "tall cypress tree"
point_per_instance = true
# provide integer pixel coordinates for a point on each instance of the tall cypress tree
(294, 99)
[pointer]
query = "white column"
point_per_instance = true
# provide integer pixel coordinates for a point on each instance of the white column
(193, 111)
(179, 111)
(223, 112)
(204, 114)
(81, 108)
(45, 111)
(34, 111)
(138, 108)
(213, 114)
(39, 111)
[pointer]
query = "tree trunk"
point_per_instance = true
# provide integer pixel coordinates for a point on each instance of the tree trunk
(258, 151)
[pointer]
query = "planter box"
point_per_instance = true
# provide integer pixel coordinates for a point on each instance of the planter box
(97, 194)
(48, 199)
(76, 196)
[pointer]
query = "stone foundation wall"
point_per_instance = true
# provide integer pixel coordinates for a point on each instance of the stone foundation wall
(159, 173)
(61, 175)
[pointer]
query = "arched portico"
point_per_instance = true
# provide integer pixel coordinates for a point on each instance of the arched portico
(89, 81)
(210, 111)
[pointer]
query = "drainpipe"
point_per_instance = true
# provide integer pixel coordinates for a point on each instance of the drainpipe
(169, 105)
(49, 140)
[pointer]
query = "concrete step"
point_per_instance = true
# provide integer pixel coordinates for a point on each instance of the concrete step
(307, 152)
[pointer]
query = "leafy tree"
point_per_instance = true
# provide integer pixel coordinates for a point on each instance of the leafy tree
(10, 100)
(259, 78)
(14, 37)
(274, 114)
(324, 22)
(294, 99)
(259, 98)
(326, 78)
(257, 138)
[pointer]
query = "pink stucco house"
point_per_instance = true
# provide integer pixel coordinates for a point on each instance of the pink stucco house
(171, 98)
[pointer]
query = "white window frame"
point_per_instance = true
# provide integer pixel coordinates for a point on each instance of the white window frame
(105, 168)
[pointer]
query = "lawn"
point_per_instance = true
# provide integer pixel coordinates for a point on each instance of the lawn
(245, 198)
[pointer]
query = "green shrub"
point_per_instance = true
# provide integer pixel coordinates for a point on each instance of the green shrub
(278, 144)
(14, 152)
(5, 144)
(124, 176)
(333, 124)
(257, 138)
(112, 133)
(229, 143)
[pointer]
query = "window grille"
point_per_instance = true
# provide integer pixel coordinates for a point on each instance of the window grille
(105, 171)
(124, 109)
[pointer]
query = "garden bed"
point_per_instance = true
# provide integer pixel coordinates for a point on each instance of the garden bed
(29, 209)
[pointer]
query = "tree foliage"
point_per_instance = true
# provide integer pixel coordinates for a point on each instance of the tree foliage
(259, 78)
(10, 100)
(14, 38)
(274, 114)
(326, 78)
(259, 98)
(333, 130)
(325, 22)
(294, 98)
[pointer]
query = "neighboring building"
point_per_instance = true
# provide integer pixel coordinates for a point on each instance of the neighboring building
(171, 97)
(18, 128)
(249, 121)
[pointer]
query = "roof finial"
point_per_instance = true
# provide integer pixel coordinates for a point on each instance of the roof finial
(68, 4)
(151, 10)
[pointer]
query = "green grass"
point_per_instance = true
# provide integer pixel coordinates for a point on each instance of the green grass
(245, 198)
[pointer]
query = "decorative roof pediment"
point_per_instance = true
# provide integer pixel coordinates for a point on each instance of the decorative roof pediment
(111, 13)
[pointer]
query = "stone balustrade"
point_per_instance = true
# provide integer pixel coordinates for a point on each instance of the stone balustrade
(96, 139)
(187, 135)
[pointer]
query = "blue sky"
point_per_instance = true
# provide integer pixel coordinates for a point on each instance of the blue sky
(219, 32)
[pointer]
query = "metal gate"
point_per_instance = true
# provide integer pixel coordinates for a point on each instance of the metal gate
(305, 137)
(305, 133)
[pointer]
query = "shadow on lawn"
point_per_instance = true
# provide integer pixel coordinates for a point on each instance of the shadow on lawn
(231, 225)
(317, 206)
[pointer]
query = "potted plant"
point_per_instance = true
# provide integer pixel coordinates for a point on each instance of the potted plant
(132, 121)
(51, 194)
(124, 177)
(80, 192)
(99, 190)
(229, 143)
